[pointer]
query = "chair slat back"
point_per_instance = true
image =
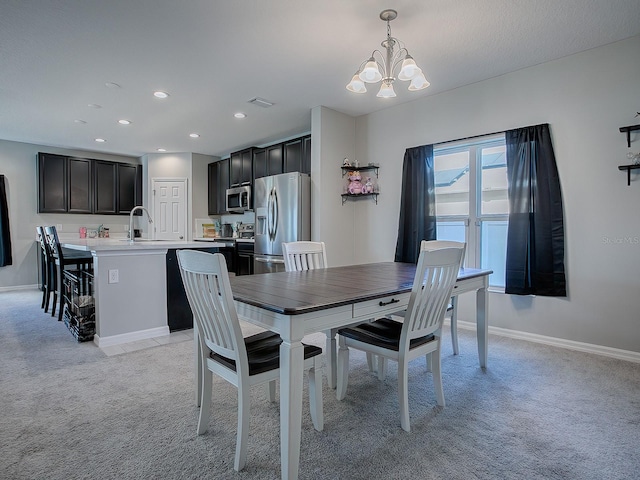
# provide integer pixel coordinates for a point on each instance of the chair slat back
(43, 243)
(436, 274)
(55, 249)
(299, 256)
(206, 282)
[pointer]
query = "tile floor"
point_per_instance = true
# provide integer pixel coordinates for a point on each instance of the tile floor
(174, 337)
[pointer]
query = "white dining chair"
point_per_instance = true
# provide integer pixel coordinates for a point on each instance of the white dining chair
(300, 256)
(306, 255)
(223, 350)
(452, 308)
(419, 334)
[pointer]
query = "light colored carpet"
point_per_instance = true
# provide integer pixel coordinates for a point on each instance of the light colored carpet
(67, 411)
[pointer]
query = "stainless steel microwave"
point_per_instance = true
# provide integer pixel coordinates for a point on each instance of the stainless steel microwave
(239, 199)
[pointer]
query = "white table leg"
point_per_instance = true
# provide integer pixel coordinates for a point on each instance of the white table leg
(482, 320)
(291, 373)
(332, 359)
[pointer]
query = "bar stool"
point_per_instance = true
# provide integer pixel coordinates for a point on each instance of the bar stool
(47, 269)
(63, 258)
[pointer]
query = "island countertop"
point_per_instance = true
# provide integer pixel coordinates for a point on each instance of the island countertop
(123, 244)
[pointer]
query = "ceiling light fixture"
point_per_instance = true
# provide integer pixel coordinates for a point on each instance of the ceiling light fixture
(124, 122)
(194, 135)
(162, 149)
(160, 94)
(387, 62)
(100, 140)
(240, 115)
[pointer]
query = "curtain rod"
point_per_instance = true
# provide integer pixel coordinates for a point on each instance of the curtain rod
(485, 134)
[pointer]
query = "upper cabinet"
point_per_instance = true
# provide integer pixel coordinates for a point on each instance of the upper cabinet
(297, 155)
(82, 185)
(241, 167)
(79, 174)
(53, 191)
(267, 161)
(129, 187)
(218, 184)
(105, 187)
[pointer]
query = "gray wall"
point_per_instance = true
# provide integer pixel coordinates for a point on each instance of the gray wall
(585, 98)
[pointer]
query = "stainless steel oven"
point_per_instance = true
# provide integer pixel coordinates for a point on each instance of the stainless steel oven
(239, 199)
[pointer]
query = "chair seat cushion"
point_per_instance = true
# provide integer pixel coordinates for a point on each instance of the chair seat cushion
(384, 333)
(263, 352)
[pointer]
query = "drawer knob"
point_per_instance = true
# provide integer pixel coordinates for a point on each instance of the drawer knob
(393, 300)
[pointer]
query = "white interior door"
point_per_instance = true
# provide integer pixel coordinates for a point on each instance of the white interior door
(169, 209)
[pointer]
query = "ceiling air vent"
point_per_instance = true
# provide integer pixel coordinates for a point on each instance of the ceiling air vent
(261, 102)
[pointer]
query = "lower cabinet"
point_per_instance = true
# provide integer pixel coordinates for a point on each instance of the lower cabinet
(179, 315)
(244, 258)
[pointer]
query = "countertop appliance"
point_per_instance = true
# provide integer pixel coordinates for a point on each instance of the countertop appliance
(283, 214)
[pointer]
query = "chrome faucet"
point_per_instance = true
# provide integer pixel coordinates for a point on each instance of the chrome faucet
(131, 232)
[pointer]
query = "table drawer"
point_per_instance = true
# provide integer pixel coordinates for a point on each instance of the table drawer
(381, 306)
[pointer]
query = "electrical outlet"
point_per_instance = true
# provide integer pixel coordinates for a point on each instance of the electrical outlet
(114, 276)
(59, 227)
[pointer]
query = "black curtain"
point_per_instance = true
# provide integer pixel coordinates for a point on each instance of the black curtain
(535, 239)
(5, 235)
(417, 203)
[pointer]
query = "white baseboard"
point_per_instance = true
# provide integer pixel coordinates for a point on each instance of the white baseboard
(130, 337)
(557, 342)
(15, 288)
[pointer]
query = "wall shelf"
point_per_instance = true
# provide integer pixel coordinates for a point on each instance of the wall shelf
(628, 168)
(628, 131)
(346, 196)
(360, 169)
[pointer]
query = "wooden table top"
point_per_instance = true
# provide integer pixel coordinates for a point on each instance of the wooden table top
(294, 293)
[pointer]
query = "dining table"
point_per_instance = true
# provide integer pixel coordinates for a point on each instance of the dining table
(295, 304)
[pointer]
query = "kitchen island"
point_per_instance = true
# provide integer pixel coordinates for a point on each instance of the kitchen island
(130, 286)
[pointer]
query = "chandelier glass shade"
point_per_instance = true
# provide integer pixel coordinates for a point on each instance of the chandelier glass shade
(382, 65)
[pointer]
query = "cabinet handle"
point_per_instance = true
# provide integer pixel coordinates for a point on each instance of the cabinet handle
(393, 300)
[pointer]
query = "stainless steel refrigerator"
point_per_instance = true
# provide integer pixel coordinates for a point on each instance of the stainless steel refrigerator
(282, 205)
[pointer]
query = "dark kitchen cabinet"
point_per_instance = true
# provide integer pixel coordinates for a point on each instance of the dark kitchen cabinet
(84, 185)
(217, 187)
(52, 183)
(267, 161)
(80, 185)
(244, 258)
(105, 187)
(297, 155)
(241, 167)
(179, 314)
(129, 187)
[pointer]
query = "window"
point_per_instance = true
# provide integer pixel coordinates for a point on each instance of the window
(471, 200)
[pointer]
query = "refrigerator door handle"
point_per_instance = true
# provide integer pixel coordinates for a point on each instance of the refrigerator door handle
(276, 210)
(260, 259)
(272, 215)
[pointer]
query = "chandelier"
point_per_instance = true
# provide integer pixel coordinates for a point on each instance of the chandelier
(382, 65)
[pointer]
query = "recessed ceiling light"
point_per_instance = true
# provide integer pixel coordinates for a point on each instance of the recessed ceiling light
(194, 135)
(94, 105)
(100, 140)
(240, 115)
(160, 94)
(112, 85)
(162, 149)
(80, 121)
(124, 122)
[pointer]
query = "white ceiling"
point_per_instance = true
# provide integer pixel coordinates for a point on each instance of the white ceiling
(212, 56)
